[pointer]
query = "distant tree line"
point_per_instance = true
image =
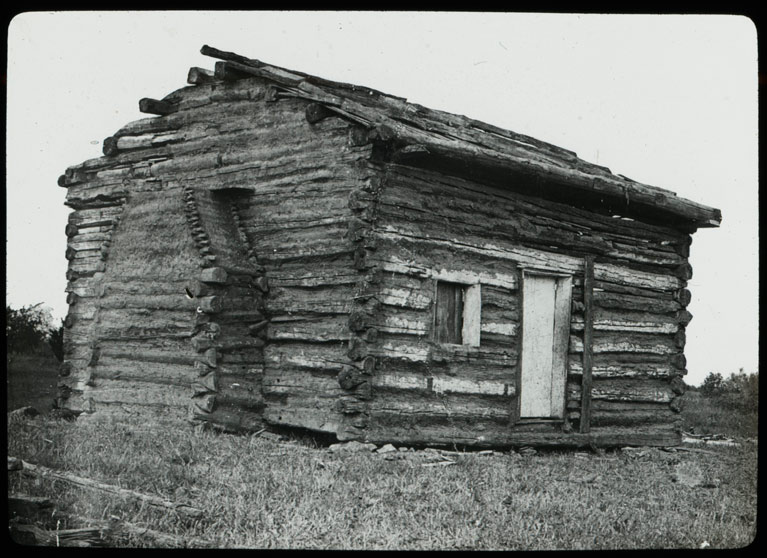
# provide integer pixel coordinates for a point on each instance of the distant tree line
(739, 391)
(30, 330)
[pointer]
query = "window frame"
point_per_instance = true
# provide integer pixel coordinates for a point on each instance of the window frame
(471, 312)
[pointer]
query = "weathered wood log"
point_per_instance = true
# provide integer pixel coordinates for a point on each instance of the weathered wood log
(199, 76)
(316, 112)
(257, 328)
(262, 283)
(475, 157)
(71, 230)
(230, 71)
(46, 473)
(684, 317)
(357, 348)
(605, 299)
(109, 146)
(677, 404)
(213, 275)
(349, 378)
(680, 338)
(210, 304)
(683, 296)
(684, 271)
(205, 403)
(678, 385)
(210, 357)
(36, 536)
(26, 506)
(206, 384)
(153, 106)
(588, 324)
(196, 289)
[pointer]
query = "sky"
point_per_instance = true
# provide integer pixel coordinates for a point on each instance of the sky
(667, 100)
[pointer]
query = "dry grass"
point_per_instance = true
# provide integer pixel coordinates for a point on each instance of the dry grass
(264, 494)
(259, 493)
(31, 380)
(719, 414)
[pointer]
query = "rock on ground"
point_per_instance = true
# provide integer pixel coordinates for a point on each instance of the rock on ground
(351, 447)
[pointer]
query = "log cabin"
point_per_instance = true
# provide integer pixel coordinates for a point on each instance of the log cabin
(271, 248)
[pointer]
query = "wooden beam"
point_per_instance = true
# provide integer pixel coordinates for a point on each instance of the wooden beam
(153, 106)
(464, 157)
(231, 71)
(199, 76)
(45, 472)
(316, 112)
(588, 328)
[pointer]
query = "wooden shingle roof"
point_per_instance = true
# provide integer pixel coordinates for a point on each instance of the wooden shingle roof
(415, 135)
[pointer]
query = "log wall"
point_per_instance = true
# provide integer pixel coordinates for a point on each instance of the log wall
(247, 256)
(429, 226)
(229, 296)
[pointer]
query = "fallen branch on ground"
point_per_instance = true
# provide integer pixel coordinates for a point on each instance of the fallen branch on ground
(45, 472)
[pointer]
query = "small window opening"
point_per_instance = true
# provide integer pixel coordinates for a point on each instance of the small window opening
(448, 319)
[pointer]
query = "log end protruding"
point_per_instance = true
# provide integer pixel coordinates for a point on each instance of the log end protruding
(204, 403)
(679, 361)
(213, 275)
(153, 106)
(316, 112)
(258, 329)
(683, 297)
(210, 304)
(358, 136)
(684, 271)
(227, 72)
(110, 146)
(680, 338)
(199, 76)
(409, 153)
(677, 385)
(677, 404)
(349, 378)
(261, 283)
(196, 289)
(71, 230)
(684, 317)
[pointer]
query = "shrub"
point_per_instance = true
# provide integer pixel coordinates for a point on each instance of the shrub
(29, 330)
(712, 384)
(56, 341)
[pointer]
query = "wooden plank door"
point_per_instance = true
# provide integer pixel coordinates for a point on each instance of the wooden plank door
(545, 336)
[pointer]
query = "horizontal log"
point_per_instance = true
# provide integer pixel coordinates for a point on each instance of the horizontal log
(232, 419)
(215, 275)
(209, 304)
(153, 106)
(656, 344)
(198, 76)
(310, 417)
(82, 482)
(650, 199)
(481, 214)
(551, 212)
(470, 431)
(610, 368)
(651, 391)
(604, 299)
(636, 322)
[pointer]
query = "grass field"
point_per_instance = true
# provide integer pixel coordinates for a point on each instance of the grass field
(263, 493)
(31, 380)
